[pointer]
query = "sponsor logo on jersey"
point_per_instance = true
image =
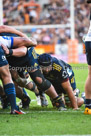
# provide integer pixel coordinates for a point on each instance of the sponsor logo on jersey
(3, 58)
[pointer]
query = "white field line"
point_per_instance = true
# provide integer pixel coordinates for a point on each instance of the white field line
(46, 135)
(70, 111)
(61, 135)
(53, 111)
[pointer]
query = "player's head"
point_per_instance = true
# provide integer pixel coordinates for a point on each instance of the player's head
(45, 61)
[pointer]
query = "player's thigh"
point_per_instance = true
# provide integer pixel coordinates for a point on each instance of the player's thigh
(88, 52)
(89, 70)
(5, 74)
(4, 68)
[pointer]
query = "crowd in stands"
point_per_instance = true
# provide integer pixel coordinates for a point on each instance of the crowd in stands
(32, 12)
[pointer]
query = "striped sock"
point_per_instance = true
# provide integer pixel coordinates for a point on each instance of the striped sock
(11, 94)
(88, 103)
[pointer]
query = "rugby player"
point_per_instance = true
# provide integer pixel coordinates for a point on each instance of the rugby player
(61, 75)
(30, 61)
(5, 75)
(88, 81)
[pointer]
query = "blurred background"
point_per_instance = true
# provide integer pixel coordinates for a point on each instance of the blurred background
(57, 25)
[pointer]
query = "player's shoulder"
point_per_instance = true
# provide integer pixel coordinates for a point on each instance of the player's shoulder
(56, 64)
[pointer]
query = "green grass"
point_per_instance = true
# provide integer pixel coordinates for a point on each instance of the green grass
(48, 121)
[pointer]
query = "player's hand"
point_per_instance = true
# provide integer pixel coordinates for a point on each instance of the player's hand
(6, 50)
(33, 41)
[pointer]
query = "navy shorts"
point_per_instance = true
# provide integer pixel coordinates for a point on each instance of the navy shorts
(88, 52)
(3, 60)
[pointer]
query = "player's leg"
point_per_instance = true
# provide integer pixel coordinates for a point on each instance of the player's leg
(8, 86)
(88, 92)
(7, 80)
(47, 87)
(4, 99)
(30, 85)
(22, 94)
(23, 80)
(88, 81)
(80, 101)
(1, 91)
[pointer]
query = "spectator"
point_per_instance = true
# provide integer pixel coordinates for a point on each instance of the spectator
(53, 12)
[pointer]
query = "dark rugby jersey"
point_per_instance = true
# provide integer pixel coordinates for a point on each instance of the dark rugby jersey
(58, 72)
(61, 72)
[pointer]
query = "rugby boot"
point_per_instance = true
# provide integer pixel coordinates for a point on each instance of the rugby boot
(87, 111)
(17, 111)
(25, 102)
(44, 101)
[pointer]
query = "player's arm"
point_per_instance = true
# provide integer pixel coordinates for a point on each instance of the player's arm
(20, 81)
(18, 52)
(9, 29)
(67, 87)
(22, 41)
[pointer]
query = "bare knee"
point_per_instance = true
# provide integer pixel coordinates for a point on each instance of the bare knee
(80, 102)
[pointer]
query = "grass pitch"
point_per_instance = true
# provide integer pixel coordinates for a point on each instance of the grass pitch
(48, 121)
